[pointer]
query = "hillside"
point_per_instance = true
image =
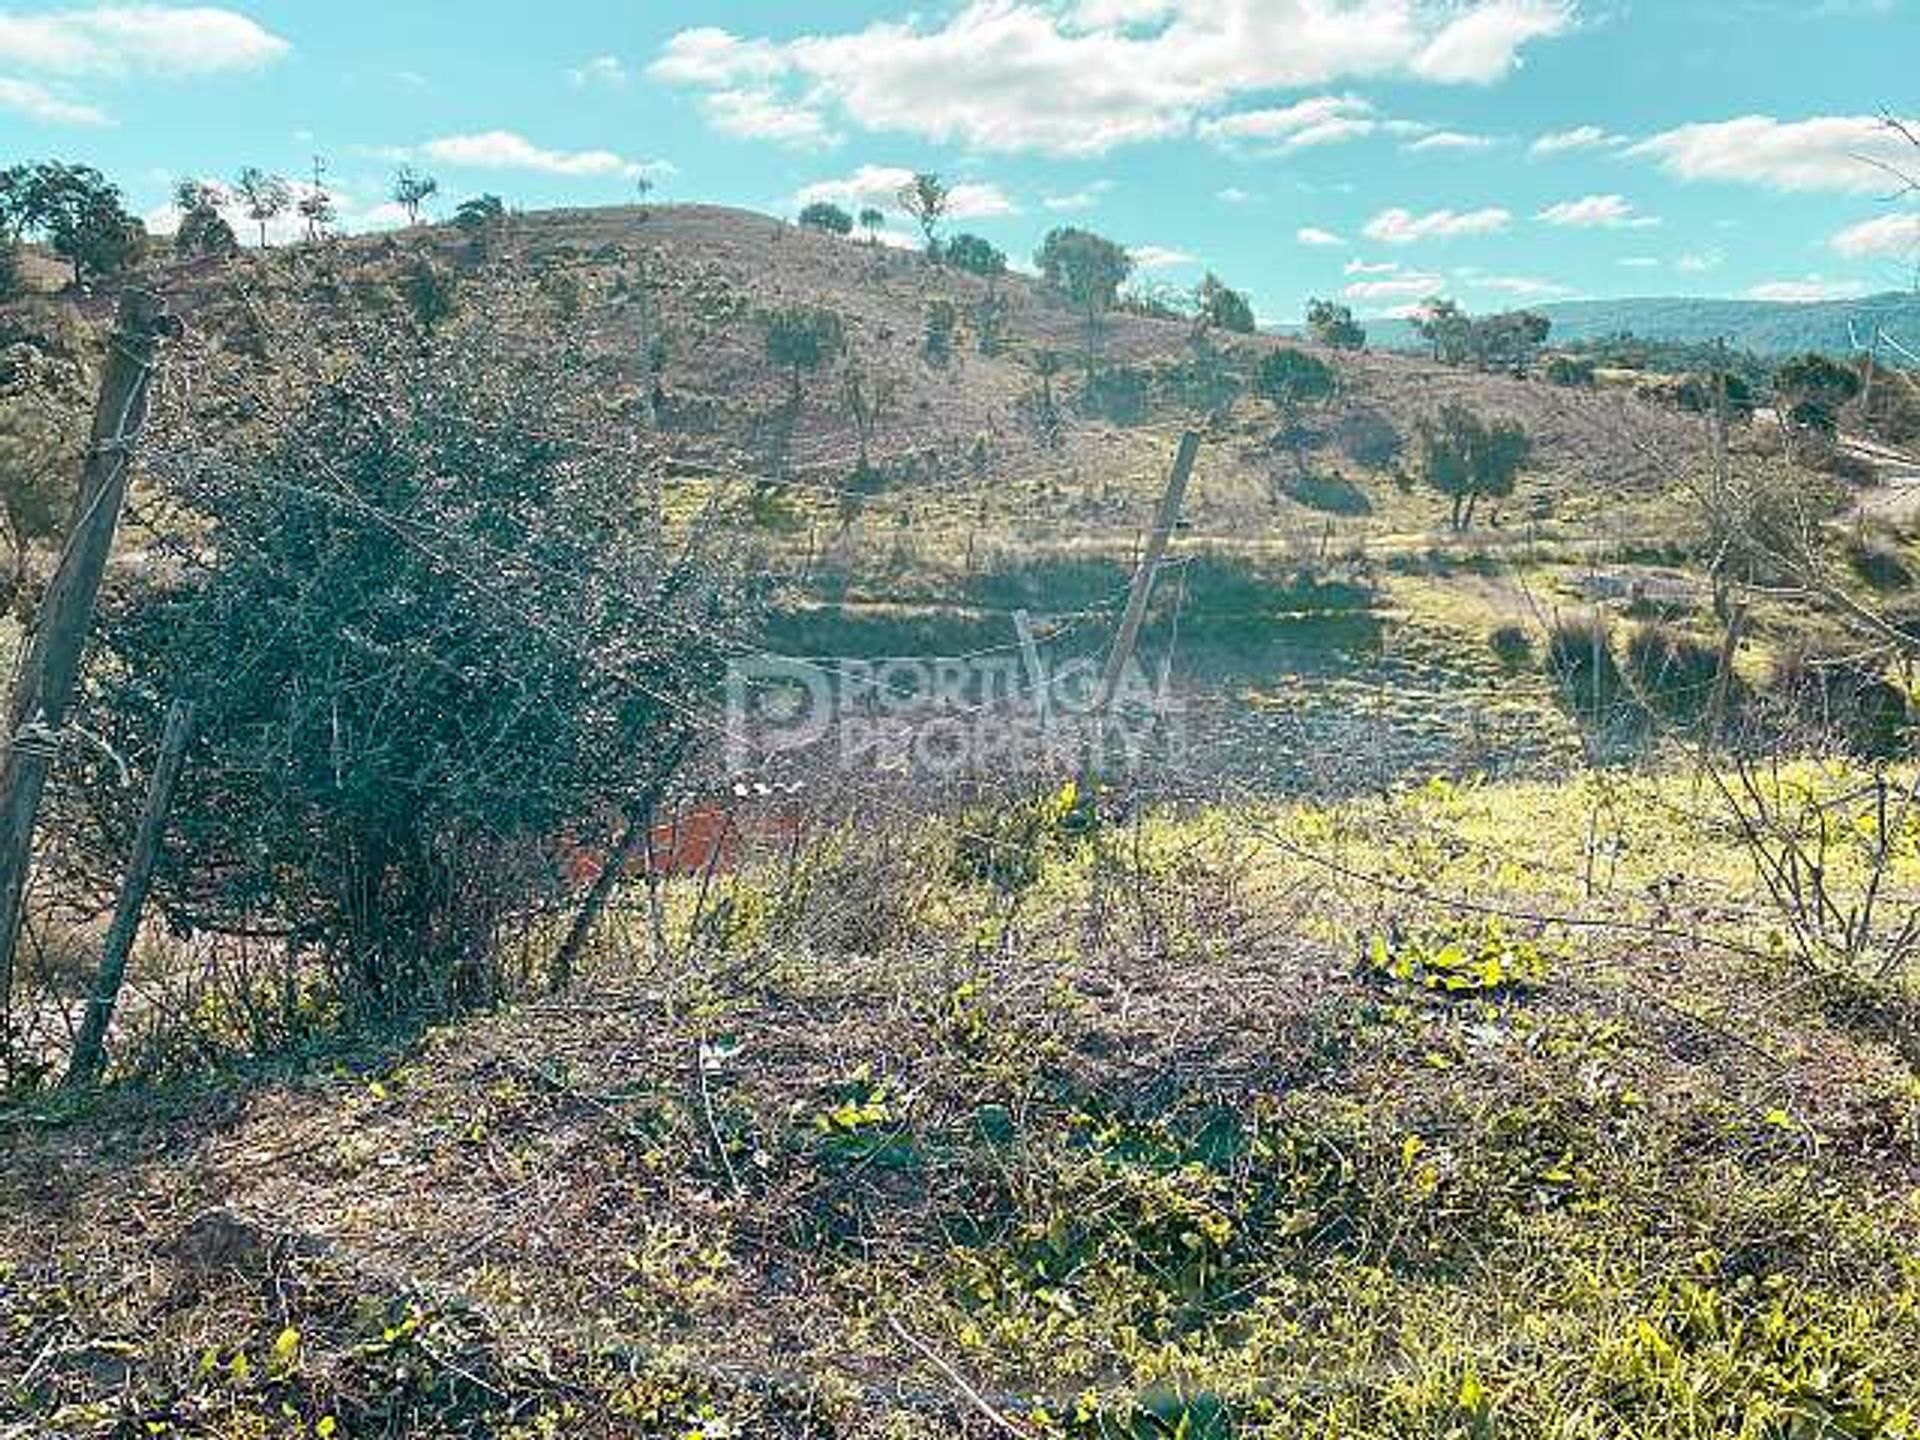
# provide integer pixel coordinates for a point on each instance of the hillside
(1483, 1007)
(1768, 328)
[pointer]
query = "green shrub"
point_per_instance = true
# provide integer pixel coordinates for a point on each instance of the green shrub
(1117, 393)
(1580, 659)
(943, 322)
(1672, 668)
(1879, 563)
(1570, 371)
(1512, 647)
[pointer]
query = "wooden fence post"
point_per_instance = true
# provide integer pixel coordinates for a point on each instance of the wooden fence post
(45, 685)
(90, 1048)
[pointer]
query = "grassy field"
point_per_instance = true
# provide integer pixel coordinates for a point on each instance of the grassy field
(1467, 1111)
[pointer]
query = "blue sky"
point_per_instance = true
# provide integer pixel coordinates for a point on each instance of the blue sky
(1501, 151)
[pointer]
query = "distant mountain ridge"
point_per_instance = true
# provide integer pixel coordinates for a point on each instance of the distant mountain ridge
(1766, 327)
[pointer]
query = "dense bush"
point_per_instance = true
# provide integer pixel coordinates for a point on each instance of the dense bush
(1333, 325)
(1673, 670)
(1570, 371)
(943, 323)
(1117, 393)
(976, 256)
(426, 639)
(1512, 647)
(1223, 307)
(1580, 659)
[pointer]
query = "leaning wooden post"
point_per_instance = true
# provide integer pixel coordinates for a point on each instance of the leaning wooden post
(44, 688)
(1138, 597)
(90, 1048)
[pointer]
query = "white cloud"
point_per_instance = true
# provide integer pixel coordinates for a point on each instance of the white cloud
(708, 55)
(879, 186)
(1807, 291)
(1081, 79)
(1400, 287)
(762, 114)
(1483, 45)
(1160, 257)
(1698, 262)
(137, 39)
(1403, 227)
(1890, 235)
(36, 102)
(505, 150)
(600, 70)
(1449, 140)
(1322, 120)
(1639, 262)
(1314, 235)
(1581, 137)
(1234, 195)
(1596, 212)
(1828, 152)
(1085, 198)
(1365, 267)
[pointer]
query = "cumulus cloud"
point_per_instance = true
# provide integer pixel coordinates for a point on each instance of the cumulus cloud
(879, 187)
(506, 150)
(1581, 137)
(1234, 195)
(1314, 235)
(36, 102)
(1597, 212)
(761, 114)
(1081, 79)
(1891, 235)
(137, 39)
(1371, 267)
(1829, 152)
(1807, 291)
(1403, 227)
(1483, 44)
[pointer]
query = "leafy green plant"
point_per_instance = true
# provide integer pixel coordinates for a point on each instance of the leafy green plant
(1477, 958)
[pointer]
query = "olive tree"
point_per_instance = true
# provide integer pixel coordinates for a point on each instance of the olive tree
(77, 211)
(203, 229)
(826, 216)
(1467, 458)
(1332, 324)
(1294, 382)
(1086, 269)
(1223, 307)
(802, 339)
